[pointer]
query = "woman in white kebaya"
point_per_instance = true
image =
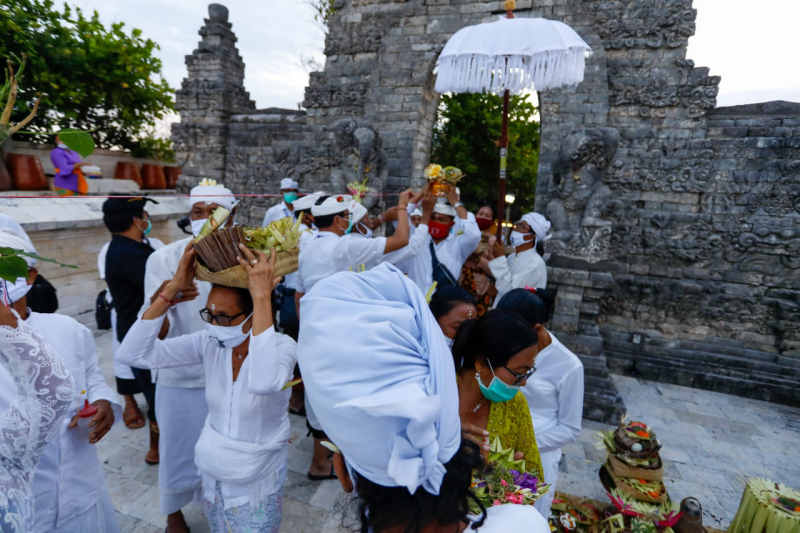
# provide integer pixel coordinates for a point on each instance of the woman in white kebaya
(243, 448)
(554, 392)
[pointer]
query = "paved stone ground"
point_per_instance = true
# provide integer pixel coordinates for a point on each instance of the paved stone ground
(712, 442)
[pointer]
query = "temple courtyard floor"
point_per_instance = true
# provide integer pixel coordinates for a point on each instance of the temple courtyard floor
(711, 443)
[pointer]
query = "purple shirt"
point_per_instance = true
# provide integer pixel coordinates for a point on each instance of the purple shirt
(64, 161)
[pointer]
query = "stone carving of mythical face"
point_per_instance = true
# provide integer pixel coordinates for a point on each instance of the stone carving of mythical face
(580, 195)
(359, 158)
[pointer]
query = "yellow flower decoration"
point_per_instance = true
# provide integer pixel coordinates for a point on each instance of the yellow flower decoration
(206, 182)
(433, 171)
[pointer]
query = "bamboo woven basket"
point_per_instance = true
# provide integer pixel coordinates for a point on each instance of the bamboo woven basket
(285, 263)
(625, 485)
(620, 469)
(217, 259)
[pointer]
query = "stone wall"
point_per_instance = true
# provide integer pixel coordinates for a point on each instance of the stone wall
(676, 224)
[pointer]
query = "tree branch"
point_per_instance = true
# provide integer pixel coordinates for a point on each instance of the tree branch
(19, 125)
(12, 96)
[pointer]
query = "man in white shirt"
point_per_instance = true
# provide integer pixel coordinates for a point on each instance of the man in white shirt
(525, 267)
(285, 208)
(454, 236)
(180, 394)
(68, 485)
(405, 256)
(326, 254)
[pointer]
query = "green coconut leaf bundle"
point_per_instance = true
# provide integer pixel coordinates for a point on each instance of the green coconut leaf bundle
(767, 507)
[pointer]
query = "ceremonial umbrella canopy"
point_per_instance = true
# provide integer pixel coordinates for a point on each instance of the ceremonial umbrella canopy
(511, 55)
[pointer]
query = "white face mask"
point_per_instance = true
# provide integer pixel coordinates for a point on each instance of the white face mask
(17, 290)
(197, 225)
(228, 336)
(518, 239)
(63, 146)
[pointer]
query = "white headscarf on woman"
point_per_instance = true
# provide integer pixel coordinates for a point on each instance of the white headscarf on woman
(380, 377)
(19, 288)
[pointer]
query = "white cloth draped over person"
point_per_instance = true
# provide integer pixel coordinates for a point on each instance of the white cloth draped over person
(180, 396)
(244, 443)
(371, 351)
(555, 398)
(69, 486)
(377, 367)
(36, 392)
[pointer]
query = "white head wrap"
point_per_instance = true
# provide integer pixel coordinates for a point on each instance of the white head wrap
(19, 288)
(380, 377)
(307, 201)
(210, 192)
(416, 212)
(444, 208)
(10, 225)
(332, 205)
(357, 212)
(289, 183)
(539, 225)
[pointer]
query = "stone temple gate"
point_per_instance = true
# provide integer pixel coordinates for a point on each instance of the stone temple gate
(677, 224)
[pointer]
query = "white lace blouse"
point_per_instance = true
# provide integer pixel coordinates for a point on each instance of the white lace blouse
(35, 394)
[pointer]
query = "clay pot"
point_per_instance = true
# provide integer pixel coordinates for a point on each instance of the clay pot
(127, 170)
(153, 177)
(27, 172)
(172, 174)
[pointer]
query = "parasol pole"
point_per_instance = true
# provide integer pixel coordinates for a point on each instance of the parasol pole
(509, 6)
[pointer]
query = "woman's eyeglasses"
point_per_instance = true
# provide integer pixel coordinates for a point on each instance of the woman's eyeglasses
(221, 319)
(520, 377)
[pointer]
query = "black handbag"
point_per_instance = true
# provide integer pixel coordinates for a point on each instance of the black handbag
(441, 275)
(102, 310)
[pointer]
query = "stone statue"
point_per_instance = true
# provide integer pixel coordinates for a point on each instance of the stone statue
(360, 159)
(691, 520)
(580, 196)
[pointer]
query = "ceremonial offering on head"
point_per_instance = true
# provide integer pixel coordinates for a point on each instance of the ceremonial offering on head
(443, 180)
(505, 480)
(217, 248)
(767, 507)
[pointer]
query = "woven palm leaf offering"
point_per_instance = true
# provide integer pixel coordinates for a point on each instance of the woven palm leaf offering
(218, 248)
(443, 178)
(633, 451)
(767, 507)
(505, 480)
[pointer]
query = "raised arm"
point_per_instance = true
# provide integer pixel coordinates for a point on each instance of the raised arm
(400, 236)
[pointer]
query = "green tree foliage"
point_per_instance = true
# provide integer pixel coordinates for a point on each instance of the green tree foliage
(92, 78)
(465, 135)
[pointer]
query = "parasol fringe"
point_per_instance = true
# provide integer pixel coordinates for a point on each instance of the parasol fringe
(476, 73)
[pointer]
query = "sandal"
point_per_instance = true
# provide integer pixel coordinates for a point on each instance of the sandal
(132, 416)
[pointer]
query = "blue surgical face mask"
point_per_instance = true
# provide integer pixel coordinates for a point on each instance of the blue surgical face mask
(498, 390)
(148, 228)
(350, 224)
(289, 197)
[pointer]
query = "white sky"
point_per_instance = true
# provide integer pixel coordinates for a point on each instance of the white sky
(751, 45)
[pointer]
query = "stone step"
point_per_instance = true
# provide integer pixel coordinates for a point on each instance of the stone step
(766, 363)
(774, 387)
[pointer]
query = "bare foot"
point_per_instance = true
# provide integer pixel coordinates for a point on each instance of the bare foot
(132, 415)
(176, 523)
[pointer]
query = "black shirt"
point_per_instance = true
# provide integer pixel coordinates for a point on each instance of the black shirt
(125, 267)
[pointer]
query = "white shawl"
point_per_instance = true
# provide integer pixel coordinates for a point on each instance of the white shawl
(380, 376)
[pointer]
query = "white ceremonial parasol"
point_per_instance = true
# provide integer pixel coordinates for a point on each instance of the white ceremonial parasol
(511, 55)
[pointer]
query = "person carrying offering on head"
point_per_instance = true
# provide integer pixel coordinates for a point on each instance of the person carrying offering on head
(388, 400)
(181, 406)
(242, 451)
(525, 266)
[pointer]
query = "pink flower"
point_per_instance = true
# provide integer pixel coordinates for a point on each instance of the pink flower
(496, 502)
(504, 483)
